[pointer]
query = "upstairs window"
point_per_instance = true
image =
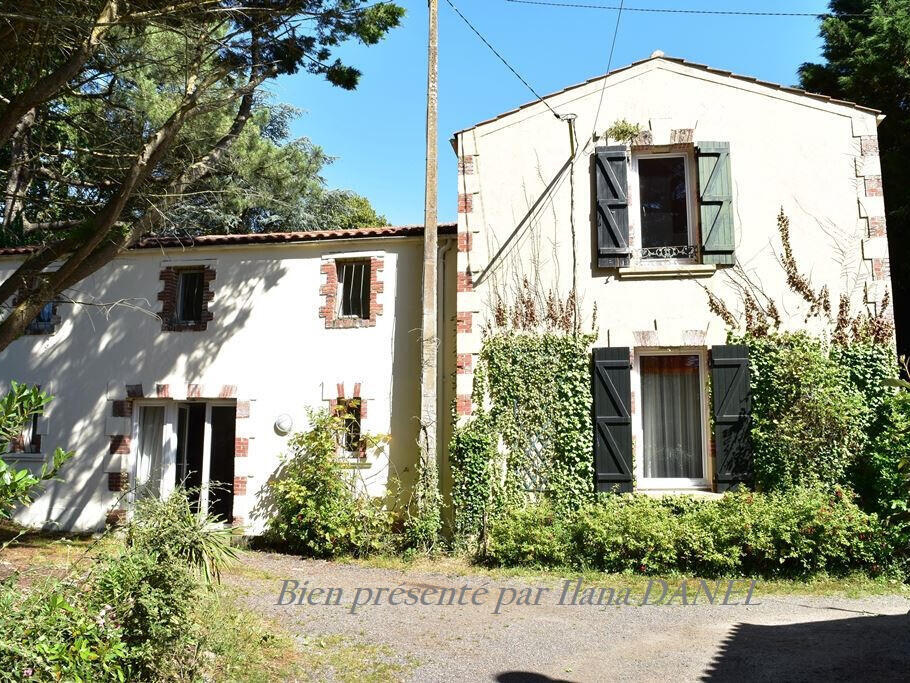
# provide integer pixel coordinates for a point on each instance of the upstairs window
(664, 211)
(45, 321)
(189, 296)
(354, 289)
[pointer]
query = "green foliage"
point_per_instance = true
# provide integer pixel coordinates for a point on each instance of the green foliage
(623, 131)
(318, 508)
(472, 460)
(808, 418)
(866, 60)
(268, 181)
(539, 387)
(625, 534)
(797, 532)
(19, 486)
(423, 521)
(127, 619)
(57, 632)
(529, 536)
(170, 531)
(150, 598)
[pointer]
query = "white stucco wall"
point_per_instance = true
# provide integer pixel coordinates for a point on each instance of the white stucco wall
(787, 150)
(521, 196)
(266, 337)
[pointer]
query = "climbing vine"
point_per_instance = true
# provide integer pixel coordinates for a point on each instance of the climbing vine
(532, 437)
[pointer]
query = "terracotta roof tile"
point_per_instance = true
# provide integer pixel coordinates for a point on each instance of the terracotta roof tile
(269, 238)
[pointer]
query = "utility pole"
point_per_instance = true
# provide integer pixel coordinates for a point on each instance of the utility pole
(429, 341)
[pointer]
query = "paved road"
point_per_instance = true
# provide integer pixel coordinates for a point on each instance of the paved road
(787, 638)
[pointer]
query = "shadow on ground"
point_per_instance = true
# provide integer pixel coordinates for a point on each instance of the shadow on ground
(871, 648)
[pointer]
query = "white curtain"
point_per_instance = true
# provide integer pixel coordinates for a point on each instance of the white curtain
(151, 445)
(671, 415)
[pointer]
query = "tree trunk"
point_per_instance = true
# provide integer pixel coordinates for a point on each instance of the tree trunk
(429, 340)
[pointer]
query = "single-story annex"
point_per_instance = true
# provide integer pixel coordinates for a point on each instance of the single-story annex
(201, 355)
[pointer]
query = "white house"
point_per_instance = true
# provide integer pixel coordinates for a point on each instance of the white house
(640, 230)
(215, 347)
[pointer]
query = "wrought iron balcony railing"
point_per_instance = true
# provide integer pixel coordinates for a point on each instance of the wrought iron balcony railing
(687, 251)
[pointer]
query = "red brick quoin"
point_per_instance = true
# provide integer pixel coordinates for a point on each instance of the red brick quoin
(329, 289)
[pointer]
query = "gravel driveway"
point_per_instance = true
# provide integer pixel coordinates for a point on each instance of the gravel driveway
(784, 638)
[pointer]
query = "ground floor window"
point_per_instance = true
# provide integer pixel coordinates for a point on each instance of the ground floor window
(188, 444)
(671, 417)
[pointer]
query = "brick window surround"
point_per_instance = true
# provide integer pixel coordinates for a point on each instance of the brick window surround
(170, 276)
(330, 290)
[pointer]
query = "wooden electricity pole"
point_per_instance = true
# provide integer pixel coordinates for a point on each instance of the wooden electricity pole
(429, 341)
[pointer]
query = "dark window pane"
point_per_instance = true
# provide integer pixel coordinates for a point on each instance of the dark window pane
(354, 288)
(189, 307)
(664, 214)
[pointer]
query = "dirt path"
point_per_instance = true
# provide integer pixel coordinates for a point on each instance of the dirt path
(784, 638)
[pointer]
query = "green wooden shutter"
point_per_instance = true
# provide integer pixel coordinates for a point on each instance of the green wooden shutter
(611, 184)
(715, 196)
(612, 390)
(732, 397)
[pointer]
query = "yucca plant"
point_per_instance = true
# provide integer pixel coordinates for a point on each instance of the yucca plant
(170, 529)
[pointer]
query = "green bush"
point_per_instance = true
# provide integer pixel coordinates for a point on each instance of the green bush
(879, 481)
(531, 536)
(57, 632)
(151, 601)
(171, 531)
(791, 533)
(808, 418)
(318, 510)
(625, 534)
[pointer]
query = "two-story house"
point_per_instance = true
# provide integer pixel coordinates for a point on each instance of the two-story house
(641, 229)
(197, 358)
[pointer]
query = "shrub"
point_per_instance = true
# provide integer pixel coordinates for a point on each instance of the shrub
(791, 533)
(530, 535)
(539, 391)
(319, 510)
(808, 418)
(19, 486)
(879, 481)
(625, 533)
(171, 531)
(55, 632)
(150, 599)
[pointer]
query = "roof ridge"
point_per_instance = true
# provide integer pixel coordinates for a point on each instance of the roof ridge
(683, 62)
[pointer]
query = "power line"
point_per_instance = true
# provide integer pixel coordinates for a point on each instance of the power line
(501, 58)
(667, 10)
(609, 66)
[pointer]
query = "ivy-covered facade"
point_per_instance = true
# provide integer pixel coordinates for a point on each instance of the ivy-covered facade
(667, 209)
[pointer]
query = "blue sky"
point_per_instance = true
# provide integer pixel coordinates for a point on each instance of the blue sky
(377, 131)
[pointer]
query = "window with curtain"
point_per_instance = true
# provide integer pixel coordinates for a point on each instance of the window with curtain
(150, 452)
(672, 416)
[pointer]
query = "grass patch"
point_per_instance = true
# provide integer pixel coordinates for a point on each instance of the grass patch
(243, 645)
(352, 661)
(853, 586)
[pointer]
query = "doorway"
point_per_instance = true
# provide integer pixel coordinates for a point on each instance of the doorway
(188, 444)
